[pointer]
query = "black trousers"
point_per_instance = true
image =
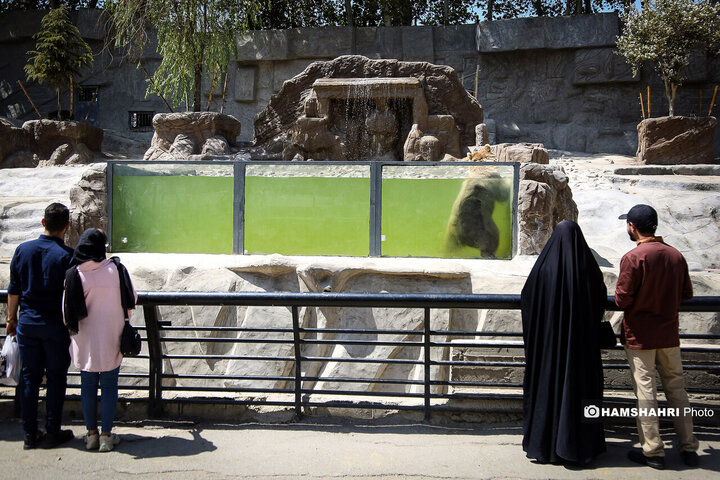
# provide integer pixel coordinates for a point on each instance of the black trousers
(44, 351)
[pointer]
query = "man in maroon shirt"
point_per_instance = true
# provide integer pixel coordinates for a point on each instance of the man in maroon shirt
(653, 281)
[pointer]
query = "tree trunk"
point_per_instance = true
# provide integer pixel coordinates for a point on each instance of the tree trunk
(197, 98)
(490, 8)
(59, 112)
(349, 13)
(670, 92)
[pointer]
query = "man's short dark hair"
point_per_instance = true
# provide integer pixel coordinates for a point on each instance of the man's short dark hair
(56, 217)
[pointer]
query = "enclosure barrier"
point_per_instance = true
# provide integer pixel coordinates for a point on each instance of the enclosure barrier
(159, 333)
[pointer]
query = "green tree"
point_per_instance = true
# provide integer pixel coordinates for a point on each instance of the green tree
(9, 5)
(665, 33)
(195, 38)
(60, 52)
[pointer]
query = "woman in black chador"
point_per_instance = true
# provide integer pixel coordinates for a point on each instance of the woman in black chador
(562, 306)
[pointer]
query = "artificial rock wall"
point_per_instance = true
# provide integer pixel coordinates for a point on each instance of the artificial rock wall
(554, 81)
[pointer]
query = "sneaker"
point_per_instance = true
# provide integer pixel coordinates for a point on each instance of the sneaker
(108, 442)
(658, 463)
(32, 440)
(53, 440)
(92, 441)
(690, 459)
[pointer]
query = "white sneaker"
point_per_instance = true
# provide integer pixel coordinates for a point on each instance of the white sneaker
(92, 441)
(108, 442)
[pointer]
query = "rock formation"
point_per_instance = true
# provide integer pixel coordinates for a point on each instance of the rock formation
(544, 200)
(419, 96)
(676, 140)
(48, 142)
(88, 202)
(178, 136)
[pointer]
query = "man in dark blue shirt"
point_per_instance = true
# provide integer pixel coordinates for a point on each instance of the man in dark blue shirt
(37, 273)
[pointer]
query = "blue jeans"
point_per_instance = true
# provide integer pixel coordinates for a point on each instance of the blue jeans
(108, 399)
(44, 350)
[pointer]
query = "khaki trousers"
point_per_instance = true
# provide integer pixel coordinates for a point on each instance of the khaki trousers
(644, 364)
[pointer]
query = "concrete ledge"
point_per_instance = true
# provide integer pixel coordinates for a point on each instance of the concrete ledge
(669, 170)
(581, 31)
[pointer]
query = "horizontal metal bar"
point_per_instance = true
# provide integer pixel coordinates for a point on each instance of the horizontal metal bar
(225, 340)
(226, 377)
(368, 300)
(226, 329)
(379, 343)
(460, 383)
(362, 394)
(361, 404)
(477, 364)
(362, 360)
(478, 345)
(390, 300)
(361, 331)
(227, 357)
(362, 380)
(228, 389)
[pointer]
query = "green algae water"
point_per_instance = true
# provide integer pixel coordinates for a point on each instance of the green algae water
(290, 213)
(307, 215)
(416, 213)
(172, 214)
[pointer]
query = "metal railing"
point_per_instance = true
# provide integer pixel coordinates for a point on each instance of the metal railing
(430, 393)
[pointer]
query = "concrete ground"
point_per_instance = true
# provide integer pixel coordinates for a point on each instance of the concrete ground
(329, 448)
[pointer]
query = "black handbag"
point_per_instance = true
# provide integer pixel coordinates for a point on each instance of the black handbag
(130, 341)
(607, 335)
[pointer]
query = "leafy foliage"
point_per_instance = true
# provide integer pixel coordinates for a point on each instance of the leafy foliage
(9, 5)
(60, 52)
(665, 33)
(196, 38)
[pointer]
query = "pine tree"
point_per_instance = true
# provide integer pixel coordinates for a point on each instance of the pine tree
(60, 52)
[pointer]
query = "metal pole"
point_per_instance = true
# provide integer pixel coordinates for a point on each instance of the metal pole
(426, 349)
(298, 366)
(152, 326)
(239, 208)
(375, 209)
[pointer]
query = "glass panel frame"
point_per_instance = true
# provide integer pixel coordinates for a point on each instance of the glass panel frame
(168, 207)
(313, 208)
(380, 222)
(449, 210)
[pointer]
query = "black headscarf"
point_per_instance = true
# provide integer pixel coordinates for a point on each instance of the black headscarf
(562, 304)
(91, 246)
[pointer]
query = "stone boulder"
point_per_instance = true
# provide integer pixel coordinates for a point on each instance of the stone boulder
(14, 141)
(521, 152)
(88, 200)
(442, 89)
(544, 200)
(676, 140)
(50, 134)
(48, 142)
(179, 135)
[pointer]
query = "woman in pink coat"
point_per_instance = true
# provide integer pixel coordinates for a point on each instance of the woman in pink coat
(98, 298)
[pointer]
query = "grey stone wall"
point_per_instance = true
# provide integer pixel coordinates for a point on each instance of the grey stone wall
(550, 80)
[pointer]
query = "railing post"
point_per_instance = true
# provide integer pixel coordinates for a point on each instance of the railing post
(298, 356)
(152, 325)
(426, 350)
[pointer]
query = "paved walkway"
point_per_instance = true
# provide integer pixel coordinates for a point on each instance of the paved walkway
(327, 448)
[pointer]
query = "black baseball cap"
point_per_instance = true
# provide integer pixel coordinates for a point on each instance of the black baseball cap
(644, 217)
